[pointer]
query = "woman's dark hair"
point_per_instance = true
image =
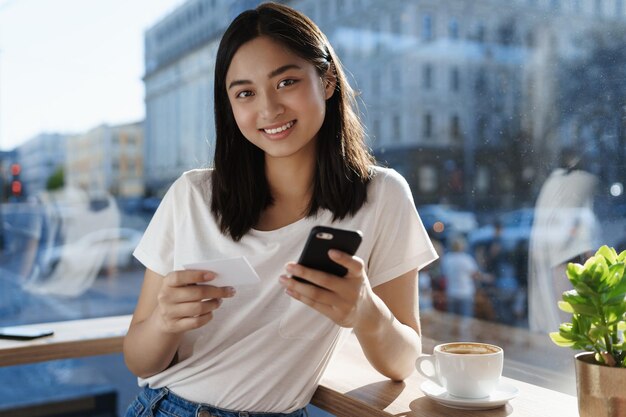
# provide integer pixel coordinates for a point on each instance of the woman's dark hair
(240, 191)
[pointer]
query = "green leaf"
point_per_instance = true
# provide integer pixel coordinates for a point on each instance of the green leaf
(618, 290)
(616, 300)
(565, 306)
(586, 310)
(614, 275)
(613, 313)
(574, 297)
(579, 304)
(622, 256)
(559, 340)
(598, 332)
(565, 329)
(599, 271)
(574, 272)
(585, 289)
(584, 323)
(608, 253)
(621, 326)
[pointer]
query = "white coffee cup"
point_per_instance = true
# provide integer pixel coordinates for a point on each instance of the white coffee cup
(464, 369)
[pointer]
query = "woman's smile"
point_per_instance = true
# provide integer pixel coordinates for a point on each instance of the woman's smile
(280, 131)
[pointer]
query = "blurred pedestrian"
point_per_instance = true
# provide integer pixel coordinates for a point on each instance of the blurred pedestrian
(461, 272)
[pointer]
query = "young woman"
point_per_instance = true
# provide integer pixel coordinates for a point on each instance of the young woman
(290, 155)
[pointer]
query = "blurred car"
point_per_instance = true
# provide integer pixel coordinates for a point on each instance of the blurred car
(443, 221)
(557, 227)
(515, 229)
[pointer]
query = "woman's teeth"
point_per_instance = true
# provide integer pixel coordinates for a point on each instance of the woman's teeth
(279, 129)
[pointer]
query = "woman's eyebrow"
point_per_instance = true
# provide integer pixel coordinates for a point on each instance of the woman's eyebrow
(272, 74)
(282, 69)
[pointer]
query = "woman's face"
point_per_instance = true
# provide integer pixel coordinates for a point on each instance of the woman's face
(278, 99)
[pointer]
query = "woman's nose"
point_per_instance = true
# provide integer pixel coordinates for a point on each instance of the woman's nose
(271, 107)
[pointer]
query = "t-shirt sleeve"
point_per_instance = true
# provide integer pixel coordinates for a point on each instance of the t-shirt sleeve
(402, 243)
(156, 248)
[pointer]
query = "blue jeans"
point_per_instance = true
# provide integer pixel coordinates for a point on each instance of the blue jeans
(461, 306)
(163, 403)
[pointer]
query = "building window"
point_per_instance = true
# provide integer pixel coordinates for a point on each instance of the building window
(453, 29)
(376, 83)
(428, 126)
(376, 128)
(427, 178)
(376, 38)
(455, 128)
(427, 77)
(396, 126)
(481, 129)
(427, 28)
(619, 8)
(455, 81)
(396, 23)
(598, 7)
(396, 79)
(482, 179)
(555, 4)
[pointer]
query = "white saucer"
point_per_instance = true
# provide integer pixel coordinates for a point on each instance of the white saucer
(503, 393)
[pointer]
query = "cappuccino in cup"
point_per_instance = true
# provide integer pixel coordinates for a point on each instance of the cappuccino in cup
(464, 369)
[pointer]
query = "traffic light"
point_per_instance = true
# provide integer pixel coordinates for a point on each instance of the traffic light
(16, 183)
(15, 170)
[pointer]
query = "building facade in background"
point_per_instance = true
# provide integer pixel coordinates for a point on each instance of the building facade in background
(39, 158)
(466, 100)
(107, 159)
(180, 54)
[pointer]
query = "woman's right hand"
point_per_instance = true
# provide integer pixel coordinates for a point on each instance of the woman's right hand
(183, 304)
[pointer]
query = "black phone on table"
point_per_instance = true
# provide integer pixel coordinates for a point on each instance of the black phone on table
(323, 238)
(23, 333)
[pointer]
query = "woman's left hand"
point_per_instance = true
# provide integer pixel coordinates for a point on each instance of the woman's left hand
(342, 299)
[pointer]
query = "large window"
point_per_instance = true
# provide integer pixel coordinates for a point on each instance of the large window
(510, 127)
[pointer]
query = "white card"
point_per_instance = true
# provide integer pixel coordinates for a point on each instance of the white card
(231, 272)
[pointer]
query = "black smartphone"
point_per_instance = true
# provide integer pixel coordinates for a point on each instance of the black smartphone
(323, 238)
(23, 333)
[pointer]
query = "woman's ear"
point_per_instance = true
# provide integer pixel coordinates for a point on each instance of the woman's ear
(330, 82)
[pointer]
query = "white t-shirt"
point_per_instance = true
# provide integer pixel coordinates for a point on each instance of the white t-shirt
(264, 351)
(458, 268)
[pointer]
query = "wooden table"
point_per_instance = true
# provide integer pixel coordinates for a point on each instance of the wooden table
(350, 387)
(71, 339)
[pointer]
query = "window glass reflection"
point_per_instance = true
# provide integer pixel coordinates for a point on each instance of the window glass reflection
(509, 125)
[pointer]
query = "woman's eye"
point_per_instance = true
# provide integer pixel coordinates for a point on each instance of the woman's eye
(286, 83)
(244, 94)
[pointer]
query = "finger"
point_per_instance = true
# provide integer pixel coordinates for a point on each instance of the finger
(209, 291)
(353, 264)
(320, 295)
(188, 277)
(190, 323)
(319, 278)
(325, 309)
(193, 309)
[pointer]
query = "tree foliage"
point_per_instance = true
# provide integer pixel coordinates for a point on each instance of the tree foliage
(56, 180)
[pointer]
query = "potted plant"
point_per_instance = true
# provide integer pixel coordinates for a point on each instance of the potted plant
(597, 303)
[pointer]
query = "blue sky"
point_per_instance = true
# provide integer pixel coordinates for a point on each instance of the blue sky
(70, 65)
